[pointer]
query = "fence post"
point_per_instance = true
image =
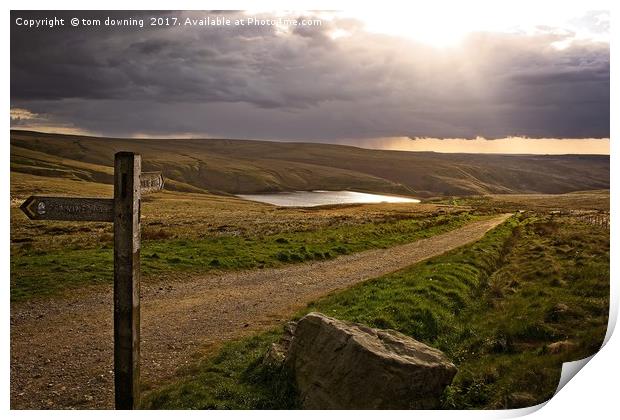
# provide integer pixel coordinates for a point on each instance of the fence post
(127, 168)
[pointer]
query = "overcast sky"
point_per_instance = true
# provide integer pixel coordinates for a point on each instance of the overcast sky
(385, 74)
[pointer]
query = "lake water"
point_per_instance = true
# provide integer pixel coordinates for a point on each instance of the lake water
(321, 198)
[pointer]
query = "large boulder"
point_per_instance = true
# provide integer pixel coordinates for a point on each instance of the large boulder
(342, 365)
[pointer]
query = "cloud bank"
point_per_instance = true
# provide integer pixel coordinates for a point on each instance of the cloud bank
(331, 81)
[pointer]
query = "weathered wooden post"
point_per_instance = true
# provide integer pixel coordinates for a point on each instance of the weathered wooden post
(127, 168)
(124, 210)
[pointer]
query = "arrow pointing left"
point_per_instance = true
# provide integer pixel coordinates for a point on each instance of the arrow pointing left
(69, 208)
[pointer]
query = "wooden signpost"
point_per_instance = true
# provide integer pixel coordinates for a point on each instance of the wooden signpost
(124, 211)
(151, 181)
(69, 208)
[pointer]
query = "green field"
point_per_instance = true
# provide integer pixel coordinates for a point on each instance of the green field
(38, 272)
(202, 233)
(496, 308)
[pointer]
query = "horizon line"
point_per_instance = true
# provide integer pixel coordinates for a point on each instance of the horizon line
(348, 142)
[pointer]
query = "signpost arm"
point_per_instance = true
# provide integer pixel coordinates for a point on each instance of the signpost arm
(127, 168)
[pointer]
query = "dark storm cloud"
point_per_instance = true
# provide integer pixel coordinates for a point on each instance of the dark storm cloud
(258, 82)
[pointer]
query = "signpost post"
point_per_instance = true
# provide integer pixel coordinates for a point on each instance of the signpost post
(126, 280)
(124, 211)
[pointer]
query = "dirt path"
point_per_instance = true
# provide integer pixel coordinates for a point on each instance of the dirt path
(61, 350)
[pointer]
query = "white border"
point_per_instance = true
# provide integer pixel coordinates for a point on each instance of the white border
(593, 394)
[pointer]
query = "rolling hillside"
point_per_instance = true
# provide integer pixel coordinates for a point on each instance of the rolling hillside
(246, 166)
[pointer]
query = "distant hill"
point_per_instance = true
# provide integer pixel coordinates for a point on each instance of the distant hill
(248, 166)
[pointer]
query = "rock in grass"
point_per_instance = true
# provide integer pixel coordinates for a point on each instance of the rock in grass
(560, 347)
(342, 365)
(558, 312)
(520, 400)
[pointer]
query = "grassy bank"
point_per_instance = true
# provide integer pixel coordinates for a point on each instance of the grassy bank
(508, 310)
(37, 271)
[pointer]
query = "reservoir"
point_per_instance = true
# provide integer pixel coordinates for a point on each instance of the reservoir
(321, 198)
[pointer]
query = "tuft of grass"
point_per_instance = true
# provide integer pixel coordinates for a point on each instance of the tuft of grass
(481, 304)
(235, 378)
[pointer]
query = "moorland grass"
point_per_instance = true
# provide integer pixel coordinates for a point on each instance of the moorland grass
(37, 272)
(494, 307)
